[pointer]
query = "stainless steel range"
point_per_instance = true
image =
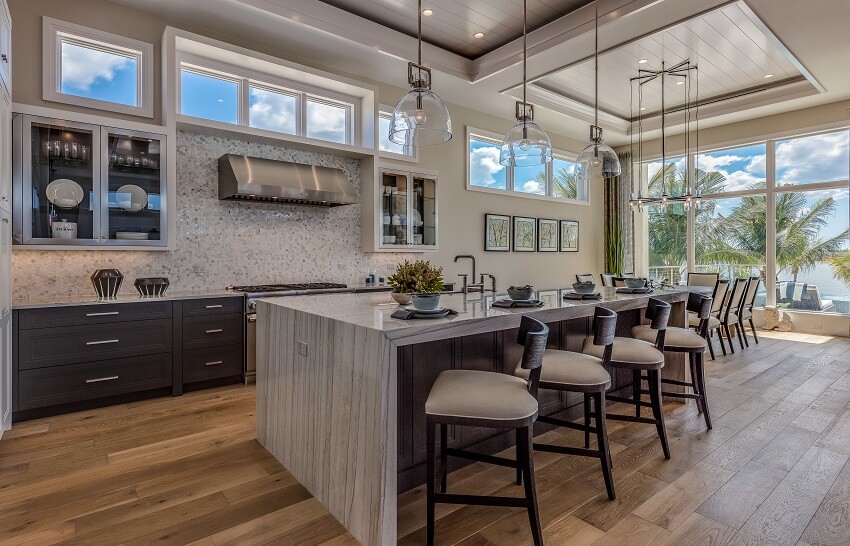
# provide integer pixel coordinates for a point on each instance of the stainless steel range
(253, 292)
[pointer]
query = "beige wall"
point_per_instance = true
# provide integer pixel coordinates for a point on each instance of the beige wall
(461, 211)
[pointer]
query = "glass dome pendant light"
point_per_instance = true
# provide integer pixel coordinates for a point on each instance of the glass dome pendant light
(420, 118)
(526, 144)
(597, 153)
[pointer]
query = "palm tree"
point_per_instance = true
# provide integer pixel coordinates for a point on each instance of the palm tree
(840, 264)
(564, 183)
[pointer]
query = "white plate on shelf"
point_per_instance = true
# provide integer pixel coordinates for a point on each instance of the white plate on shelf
(131, 236)
(131, 198)
(64, 193)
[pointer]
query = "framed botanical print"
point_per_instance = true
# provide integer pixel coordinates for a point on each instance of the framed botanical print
(497, 233)
(569, 236)
(547, 235)
(525, 234)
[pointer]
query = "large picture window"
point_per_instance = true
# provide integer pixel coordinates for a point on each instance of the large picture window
(555, 180)
(96, 69)
(800, 206)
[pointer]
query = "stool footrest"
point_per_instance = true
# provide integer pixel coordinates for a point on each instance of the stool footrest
(490, 459)
(677, 382)
(567, 450)
(480, 500)
(630, 418)
(567, 424)
(682, 395)
(630, 401)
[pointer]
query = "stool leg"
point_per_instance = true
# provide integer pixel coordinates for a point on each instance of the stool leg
(710, 345)
(430, 446)
(636, 380)
(518, 449)
(586, 420)
(720, 335)
(743, 331)
(694, 383)
(444, 460)
(753, 326)
(530, 491)
(700, 378)
(654, 381)
(602, 443)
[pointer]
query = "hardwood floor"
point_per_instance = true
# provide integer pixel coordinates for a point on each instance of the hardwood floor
(774, 470)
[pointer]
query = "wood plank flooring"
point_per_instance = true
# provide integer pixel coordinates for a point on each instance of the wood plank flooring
(188, 470)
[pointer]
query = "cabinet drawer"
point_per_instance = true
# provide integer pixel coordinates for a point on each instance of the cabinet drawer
(101, 313)
(44, 347)
(212, 363)
(64, 384)
(213, 306)
(213, 331)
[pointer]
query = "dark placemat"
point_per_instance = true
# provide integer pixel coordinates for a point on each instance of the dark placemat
(626, 290)
(576, 296)
(510, 304)
(409, 314)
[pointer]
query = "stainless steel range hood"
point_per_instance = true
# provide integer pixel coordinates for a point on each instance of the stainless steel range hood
(254, 179)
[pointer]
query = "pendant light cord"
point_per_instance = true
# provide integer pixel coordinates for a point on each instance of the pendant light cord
(596, 65)
(524, 55)
(419, 53)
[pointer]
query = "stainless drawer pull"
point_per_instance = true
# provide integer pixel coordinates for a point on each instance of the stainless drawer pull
(99, 379)
(215, 331)
(103, 314)
(104, 342)
(214, 306)
(214, 363)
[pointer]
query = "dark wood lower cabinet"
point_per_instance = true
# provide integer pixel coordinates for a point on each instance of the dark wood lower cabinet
(69, 358)
(419, 366)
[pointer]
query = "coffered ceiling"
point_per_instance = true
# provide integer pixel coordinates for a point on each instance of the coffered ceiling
(453, 24)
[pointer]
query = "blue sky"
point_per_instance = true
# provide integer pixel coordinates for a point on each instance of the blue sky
(98, 75)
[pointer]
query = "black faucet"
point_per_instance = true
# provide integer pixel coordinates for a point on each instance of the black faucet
(468, 256)
(470, 286)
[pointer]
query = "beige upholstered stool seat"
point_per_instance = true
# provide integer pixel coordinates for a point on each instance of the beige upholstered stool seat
(471, 394)
(568, 368)
(693, 321)
(634, 353)
(674, 338)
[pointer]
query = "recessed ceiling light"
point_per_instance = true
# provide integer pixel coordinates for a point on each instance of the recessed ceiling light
(680, 83)
(427, 12)
(643, 108)
(643, 61)
(768, 75)
(478, 35)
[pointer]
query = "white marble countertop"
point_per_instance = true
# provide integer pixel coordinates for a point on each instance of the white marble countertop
(91, 299)
(374, 311)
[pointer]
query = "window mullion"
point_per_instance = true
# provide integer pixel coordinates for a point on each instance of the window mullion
(770, 223)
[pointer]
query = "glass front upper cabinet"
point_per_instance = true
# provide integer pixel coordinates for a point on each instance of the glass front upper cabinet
(84, 185)
(408, 211)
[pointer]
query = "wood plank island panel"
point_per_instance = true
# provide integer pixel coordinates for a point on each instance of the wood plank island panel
(331, 371)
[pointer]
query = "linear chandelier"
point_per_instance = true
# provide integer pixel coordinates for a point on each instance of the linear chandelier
(684, 72)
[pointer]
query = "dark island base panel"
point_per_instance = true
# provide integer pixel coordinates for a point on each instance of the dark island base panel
(420, 364)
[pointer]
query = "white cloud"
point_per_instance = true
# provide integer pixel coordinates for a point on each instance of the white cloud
(710, 163)
(757, 165)
(532, 186)
(83, 67)
(326, 122)
(274, 111)
(816, 158)
(484, 164)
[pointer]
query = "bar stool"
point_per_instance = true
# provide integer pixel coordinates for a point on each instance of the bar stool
(641, 356)
(492, 400)
(577, 372)
(747, 305)
(685, 340)
(717, 297)
(584, 277)
(729, 315)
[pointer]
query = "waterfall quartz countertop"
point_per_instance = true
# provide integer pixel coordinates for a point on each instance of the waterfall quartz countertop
(92, 299)
(328, 387)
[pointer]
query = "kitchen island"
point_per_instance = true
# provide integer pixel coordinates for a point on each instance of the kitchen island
(341, 386)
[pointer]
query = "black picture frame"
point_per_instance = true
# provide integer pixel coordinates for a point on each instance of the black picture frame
(527, 220)
(488, 244)
(567, 245)
(555, 233)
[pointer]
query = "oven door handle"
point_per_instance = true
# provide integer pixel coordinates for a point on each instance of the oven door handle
(252, 318)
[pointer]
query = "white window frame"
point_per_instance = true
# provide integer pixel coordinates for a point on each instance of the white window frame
(217, 74)
(411, 153)
(479, 134)
(250, 78)
(55, 32)
(770, 191)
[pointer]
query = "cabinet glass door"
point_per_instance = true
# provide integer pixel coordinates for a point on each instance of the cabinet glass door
(394, 195)
(424, 211)
(61, 206)
(134, 204)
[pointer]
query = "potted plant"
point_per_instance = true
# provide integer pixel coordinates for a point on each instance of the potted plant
(419, 282)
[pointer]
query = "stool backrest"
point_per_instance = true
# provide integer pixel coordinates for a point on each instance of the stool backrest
(607, 278)
(658, 315)
(701, 305)
(752, 291)
(532, 336)
(721, 289)
(702, 279)
(604, 329)
(584, 277)
(736, 297)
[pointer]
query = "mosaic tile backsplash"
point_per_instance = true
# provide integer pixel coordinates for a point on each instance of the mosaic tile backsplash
(223, 242)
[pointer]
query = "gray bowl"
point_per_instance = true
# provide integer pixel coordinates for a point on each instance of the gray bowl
(635, 283)
(520, 294)
(584, 287)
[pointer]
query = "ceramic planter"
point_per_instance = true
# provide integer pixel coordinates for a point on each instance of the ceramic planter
(426, 302)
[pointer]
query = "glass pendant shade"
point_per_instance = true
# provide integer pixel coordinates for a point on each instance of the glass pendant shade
(525, 145)
(420, 119)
